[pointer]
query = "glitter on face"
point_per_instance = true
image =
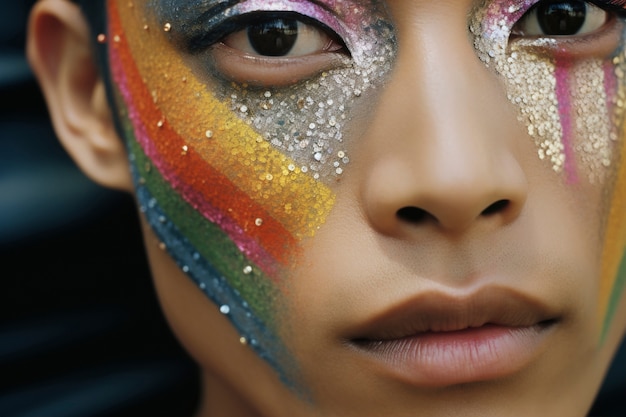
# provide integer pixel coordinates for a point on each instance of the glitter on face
(301, 120)
(230, 202)
(574, 111)
(551, 92)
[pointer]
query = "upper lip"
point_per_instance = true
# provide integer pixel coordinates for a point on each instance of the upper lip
(440, 311)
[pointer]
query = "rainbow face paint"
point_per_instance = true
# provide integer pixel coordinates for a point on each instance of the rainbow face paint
(573, 107)
(232, 177)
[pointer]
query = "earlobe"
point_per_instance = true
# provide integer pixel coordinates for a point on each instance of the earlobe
(59, 52)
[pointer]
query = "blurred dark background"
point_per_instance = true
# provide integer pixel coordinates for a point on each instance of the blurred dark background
(81, 333)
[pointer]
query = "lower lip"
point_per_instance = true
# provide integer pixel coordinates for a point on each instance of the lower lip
(439, 359)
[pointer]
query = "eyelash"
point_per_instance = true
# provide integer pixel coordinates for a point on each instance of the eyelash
(618, 5)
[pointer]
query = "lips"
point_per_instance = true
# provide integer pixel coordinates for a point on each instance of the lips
(440, 339)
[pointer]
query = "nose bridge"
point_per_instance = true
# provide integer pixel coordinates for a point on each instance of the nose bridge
(455, 88)
(448, 157)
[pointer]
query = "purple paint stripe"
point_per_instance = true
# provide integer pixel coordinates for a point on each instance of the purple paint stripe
(244, 243)
(563, 94)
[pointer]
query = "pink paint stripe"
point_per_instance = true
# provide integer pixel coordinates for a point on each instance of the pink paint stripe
(610, 87)
(563, 94)
(245, 244)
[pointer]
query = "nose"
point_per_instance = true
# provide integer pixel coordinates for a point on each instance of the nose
(444, 142)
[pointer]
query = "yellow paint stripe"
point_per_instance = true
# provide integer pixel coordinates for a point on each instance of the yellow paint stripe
(615, 237)
(299, 202)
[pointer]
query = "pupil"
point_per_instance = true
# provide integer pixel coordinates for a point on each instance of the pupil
(273, 37)
(561, 18)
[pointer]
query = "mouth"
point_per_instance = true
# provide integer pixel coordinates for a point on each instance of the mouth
(438, 339)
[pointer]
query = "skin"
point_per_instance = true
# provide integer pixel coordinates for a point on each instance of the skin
(448, 142)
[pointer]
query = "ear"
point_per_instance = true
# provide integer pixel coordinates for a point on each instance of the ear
(60, 54)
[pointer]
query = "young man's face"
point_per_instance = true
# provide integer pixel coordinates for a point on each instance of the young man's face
(401, 207)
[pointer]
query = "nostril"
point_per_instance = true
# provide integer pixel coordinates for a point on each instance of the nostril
(496, 207)
(412, 214)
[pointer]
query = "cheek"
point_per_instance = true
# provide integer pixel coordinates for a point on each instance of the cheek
(232, 180)
(574, 113)
(573, 107)
(224, 203)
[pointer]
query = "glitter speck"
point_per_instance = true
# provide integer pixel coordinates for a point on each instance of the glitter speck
(160, 123)
(244, 109)
(224, 309)
(167, 27)
(209, 134)
(102, 38)
(268, 94)
(341, 154)
(185, 269)
(243, 340)
(116, 39)
(162, 246)
(318, 156)
(258, 222)
(247, 270)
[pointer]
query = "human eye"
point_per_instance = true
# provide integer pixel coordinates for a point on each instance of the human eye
(281, 35)
(568, 18)
(274, 48)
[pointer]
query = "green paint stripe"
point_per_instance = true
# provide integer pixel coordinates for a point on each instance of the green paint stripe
(209, 240)
(616, 296)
